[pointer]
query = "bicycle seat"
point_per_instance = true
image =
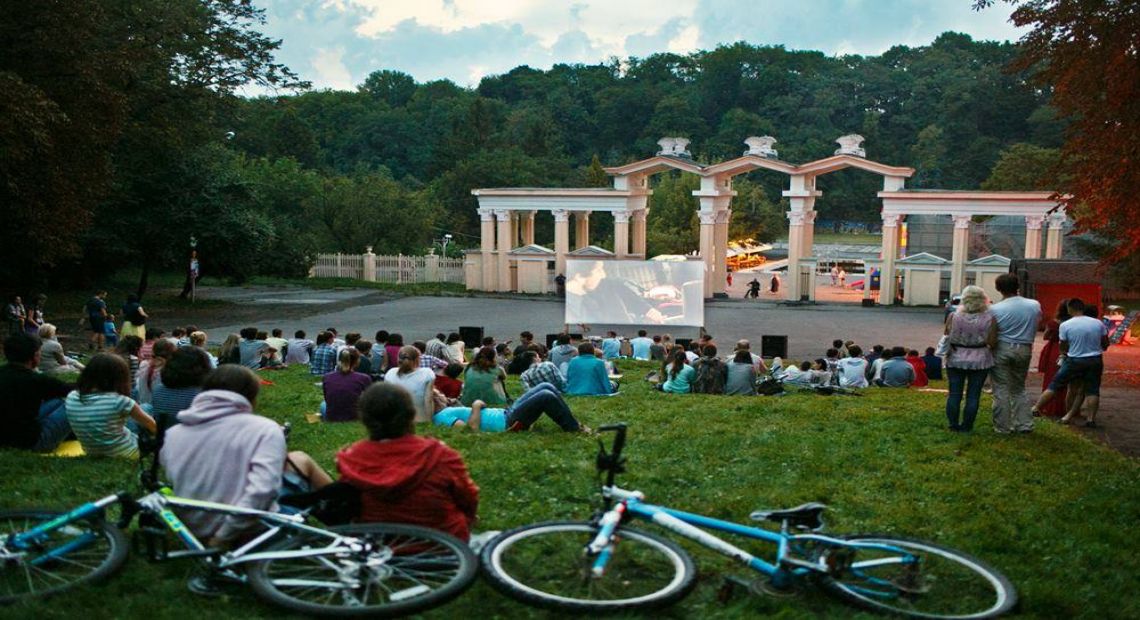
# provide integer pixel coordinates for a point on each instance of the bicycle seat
(805, 516)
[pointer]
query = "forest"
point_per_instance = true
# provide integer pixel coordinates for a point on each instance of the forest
(140, 149)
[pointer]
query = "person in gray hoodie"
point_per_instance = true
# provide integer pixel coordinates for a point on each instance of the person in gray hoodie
(221, 451)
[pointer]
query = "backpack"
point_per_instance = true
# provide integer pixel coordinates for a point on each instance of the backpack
(710, 376)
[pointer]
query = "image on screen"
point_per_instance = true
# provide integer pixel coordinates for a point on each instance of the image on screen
(606, 292)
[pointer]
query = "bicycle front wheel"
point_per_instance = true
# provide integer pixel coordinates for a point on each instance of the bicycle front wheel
(82, 551)
(545, 565)
(927, 581)
(401, 569)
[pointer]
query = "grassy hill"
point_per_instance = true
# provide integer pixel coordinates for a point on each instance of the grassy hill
(1052, 510)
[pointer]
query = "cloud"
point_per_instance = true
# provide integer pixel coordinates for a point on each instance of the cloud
(337, 43)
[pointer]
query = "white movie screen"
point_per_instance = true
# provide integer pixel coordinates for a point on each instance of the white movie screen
(608, 292)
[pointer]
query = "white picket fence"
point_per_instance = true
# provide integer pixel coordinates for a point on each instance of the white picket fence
(399, 269)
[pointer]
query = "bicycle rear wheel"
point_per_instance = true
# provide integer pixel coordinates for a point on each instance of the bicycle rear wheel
(83, 551)
(544, 565)
(942, 583)
(402, 569)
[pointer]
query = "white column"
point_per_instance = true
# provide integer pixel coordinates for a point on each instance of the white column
(561, 239)
(487, 248)
(506, 219)
(708, 252)
(801, 197)
(890, 253)
(795, 244)
(721, 241)
(1053, 239)
(581, 229)
(621, 233)
(637, 232)
(808, 248)
(959, 253)
(527, 221)
(1033, 235)
(515, 216)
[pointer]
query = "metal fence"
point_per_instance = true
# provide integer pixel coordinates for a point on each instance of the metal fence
(398, 269)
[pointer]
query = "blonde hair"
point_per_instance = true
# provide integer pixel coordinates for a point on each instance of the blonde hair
(47, 331)
(347, 360)
(974, 300)
(198, 339)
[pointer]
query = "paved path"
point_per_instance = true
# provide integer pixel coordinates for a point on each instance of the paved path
(810, 329)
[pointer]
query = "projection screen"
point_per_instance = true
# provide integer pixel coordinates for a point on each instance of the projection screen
(620, 292)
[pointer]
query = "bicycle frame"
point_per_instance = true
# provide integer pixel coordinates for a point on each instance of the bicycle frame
(782, 571)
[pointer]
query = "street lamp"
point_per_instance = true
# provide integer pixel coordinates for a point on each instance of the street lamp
(446, 240)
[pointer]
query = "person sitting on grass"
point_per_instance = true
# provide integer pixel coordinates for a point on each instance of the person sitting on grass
(99, 407)
(299, 348)
(182, 377)
(540, 371)
(323, 359)
(404, 478)
(32, 406)
(586, 375)
(343, 387)
(799, 375)
(526, 410)
(149, 374)
(741, 375)
(221, 451)
(896, 372)
(419, 381)
(448, 383)
(852, 369)
(711, 372)
(933, 365)
(484, 380)
(920, 379)
(679, 374)
(364, 347)
(52, 359)
(198, 341)
(254, 350)
(563, 351)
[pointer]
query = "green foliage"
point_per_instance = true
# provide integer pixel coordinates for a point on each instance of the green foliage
(1025, 167)
(883, 463)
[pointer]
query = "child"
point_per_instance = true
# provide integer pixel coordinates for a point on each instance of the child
(98, 408)
(110, 334)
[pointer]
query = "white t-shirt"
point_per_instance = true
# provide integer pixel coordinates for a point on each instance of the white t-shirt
(1017, 318)
(852, 372)
(416, 382)
(1083, 333)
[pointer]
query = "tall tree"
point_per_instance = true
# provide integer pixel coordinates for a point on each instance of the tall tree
(1086, 51)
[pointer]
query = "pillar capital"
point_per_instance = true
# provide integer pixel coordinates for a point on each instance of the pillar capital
(1034, 222)
(621, 217)
(708, 218)
(486, 215)
(961, 221)
(560, 215)
(503, 215)
(723, 216)
(809, 216)
(639, 215)
(583, 214)
(891, 220)
(1056, 220)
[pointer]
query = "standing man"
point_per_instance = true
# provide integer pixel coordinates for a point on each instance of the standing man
(753, 289)
(96, 310)
(14, 315)
(1083, 342)
(1017, 320)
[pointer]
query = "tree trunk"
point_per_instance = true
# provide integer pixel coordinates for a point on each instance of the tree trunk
(144, 279)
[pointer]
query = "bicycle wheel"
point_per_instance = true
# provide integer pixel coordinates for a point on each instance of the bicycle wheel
(80, 552)
(402, 569)
(544, 565)
(943, 583)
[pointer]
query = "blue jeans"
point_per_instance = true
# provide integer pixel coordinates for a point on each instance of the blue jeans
(540, 399)
(54, 427)
(972, 381)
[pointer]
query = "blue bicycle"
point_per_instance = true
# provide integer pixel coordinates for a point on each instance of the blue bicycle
(602, 565)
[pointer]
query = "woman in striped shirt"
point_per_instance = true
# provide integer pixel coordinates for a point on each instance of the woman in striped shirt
(99, 408)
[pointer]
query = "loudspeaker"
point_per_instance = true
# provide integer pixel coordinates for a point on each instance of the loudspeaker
(471, 336)
(685, 343)
(773, 346)
(550, 339)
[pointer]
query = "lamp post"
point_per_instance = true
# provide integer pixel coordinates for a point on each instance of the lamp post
(194, 267)
(446, 240)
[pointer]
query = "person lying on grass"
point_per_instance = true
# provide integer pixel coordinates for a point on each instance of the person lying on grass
(404, 478)
(542, 398)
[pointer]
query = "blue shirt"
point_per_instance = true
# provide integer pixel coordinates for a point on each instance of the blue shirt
(641, 346)
(1017, 318)
(490, 420)
(682, 383)
(586, 375)
(323, 360)
(1084, 334)
(611, 348)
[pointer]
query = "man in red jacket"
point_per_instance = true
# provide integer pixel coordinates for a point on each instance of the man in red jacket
(404, 478)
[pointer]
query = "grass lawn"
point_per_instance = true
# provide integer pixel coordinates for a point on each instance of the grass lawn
(1056, 512)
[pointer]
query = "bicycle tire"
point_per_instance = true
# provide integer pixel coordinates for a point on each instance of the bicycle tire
(537, 575)
(421, 567)
(89, 562)
(966, 579)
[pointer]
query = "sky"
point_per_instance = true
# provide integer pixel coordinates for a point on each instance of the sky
(337, 43)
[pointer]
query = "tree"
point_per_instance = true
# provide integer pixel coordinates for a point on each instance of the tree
(1086, 52)
(1025, 167)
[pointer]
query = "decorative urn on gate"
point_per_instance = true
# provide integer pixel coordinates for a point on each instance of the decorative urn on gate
(851, 144)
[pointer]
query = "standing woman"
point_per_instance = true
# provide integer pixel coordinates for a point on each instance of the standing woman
(35, 318)
(99, 408)
(1047, 362)
(972, 333)
(134, 317)
(418, 381)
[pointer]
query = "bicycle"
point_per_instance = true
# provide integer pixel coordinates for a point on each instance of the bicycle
(376, 569)
(602, 565)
